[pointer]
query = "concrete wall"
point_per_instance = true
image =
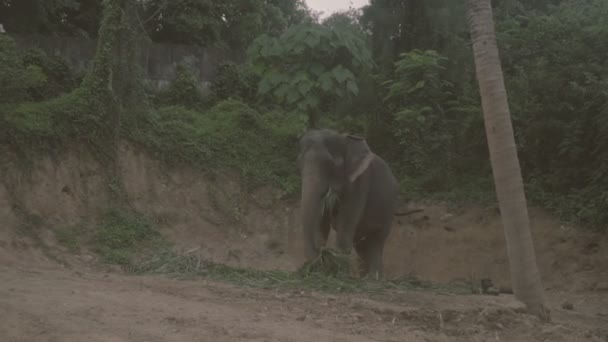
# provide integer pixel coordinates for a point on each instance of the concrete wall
(159, 61)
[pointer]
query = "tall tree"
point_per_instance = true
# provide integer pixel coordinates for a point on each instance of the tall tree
(61, 17)
(309, 66)
(525, 276)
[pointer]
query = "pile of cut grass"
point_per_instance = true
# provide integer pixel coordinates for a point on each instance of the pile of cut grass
(327, 273)
(329, 262)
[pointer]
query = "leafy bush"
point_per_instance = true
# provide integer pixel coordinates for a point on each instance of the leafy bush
(558, 88)
(429, 121)
(234, 81)
(184, 90)
(59, 77)
(120, 234)
(230, 135)
(15, 78)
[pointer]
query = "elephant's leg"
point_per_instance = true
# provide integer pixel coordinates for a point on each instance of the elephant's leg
(362, 252)
(351, 211)
(371, 251)
(370, 254)
(375, 251)
(325, 227)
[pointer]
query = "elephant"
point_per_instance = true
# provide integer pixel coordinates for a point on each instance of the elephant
(342, 167)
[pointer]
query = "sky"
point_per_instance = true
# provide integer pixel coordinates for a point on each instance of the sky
(330, 6)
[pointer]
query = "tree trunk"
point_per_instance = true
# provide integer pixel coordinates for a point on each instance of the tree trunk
(313, 119)
(525, 277)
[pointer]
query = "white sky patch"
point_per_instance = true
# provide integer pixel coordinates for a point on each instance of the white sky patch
(331, 6)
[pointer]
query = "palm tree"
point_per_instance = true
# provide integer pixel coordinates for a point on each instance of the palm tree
(525, 277)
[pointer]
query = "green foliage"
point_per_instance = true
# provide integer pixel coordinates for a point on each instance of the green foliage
(36, 16)
(58, 77)
(234, 81)
(232, 24)
(120, 234)
(429, 121)
(558, 83)
(309, 65)
(16, 79)
(230, 135)
(69, 237)
(184, 90)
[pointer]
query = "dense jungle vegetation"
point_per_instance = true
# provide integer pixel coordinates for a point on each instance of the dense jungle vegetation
(397, 71)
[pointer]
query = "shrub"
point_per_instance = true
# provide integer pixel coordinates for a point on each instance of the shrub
(15, 78)
(183, 91)
(230, 135)
(59, 77)
(234, 81)
(120, 234)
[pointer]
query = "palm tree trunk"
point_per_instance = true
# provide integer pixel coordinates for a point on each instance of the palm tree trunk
(525, 277)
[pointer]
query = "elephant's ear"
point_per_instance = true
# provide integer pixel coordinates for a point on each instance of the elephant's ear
(358, 156)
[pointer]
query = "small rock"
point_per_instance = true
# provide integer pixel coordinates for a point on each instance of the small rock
(567, 305)
(358, 316)
(449, 229)
(603, 287)
(87, 258)
(301, 318)
(446, 217)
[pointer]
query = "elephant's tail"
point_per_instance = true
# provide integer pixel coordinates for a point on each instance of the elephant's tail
(409, 212)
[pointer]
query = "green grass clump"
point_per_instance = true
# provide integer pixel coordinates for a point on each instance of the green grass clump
(190, 264)
(68, 237)
(121, 234)
(329, 262)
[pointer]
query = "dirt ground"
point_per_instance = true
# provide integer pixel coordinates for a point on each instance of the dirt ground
(47, 303)
(40, 300)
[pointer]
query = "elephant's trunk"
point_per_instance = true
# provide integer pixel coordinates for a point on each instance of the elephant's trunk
(313, 189)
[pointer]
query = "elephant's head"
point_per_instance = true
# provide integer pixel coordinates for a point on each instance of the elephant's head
(327, 161)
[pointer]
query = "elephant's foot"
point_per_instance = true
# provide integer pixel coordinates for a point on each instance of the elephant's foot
(372, 275)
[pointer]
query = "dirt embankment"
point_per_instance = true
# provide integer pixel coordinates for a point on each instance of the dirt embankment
(41, 301)
(254, 230)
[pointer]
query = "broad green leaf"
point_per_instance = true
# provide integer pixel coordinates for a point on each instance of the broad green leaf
(317, 69)
(264, 86)
(312, 40)
(300, 76)
(341, 74)
(292, 95)
(274, 77)
(305, 86)
(326, 81)
(351, 85)
(281, 91)
(313, 101)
